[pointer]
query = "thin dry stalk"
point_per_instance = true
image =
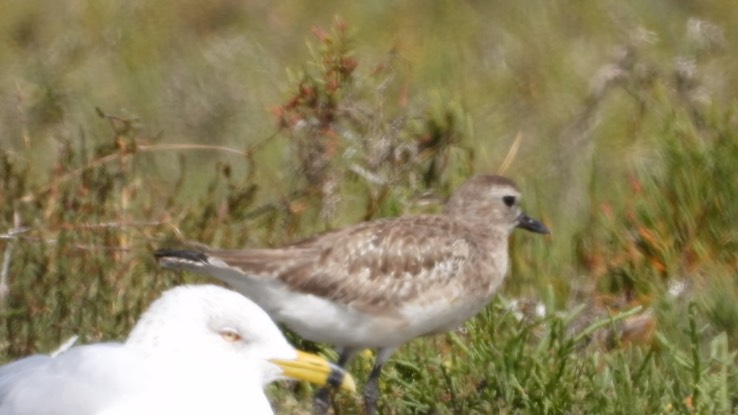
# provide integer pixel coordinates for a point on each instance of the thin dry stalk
(139, 148)
(4, 287)
(510, 157)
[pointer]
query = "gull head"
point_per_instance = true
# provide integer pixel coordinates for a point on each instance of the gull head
(238, 339)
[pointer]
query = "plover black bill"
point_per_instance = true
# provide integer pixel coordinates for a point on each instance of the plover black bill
(382, 283)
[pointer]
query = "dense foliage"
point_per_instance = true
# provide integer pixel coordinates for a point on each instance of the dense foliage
(130, 127)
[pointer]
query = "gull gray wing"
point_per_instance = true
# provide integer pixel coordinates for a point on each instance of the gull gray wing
(82, 380)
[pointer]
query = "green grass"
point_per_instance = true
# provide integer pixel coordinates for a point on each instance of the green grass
(128, 128)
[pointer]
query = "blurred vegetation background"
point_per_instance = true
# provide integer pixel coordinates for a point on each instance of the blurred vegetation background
(128, 126)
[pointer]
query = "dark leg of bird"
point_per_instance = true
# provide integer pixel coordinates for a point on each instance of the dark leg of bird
(371, 389)
(344, 356)
(322, 400)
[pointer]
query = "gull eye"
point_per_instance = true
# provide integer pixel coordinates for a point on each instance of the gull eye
(509, 200)
(230, 335)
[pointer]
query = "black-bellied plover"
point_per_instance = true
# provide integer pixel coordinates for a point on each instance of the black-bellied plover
(382, 283)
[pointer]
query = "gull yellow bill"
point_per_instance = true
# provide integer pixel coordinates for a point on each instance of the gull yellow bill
(317, 370)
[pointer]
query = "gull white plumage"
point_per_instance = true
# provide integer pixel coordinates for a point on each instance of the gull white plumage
(382, 283)
(196, 350)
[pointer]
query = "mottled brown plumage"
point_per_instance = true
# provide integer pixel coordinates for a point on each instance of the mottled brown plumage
(380, 283)
(369, 266)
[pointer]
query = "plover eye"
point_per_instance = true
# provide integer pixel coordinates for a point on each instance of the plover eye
(509, 200)
(230, 335)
